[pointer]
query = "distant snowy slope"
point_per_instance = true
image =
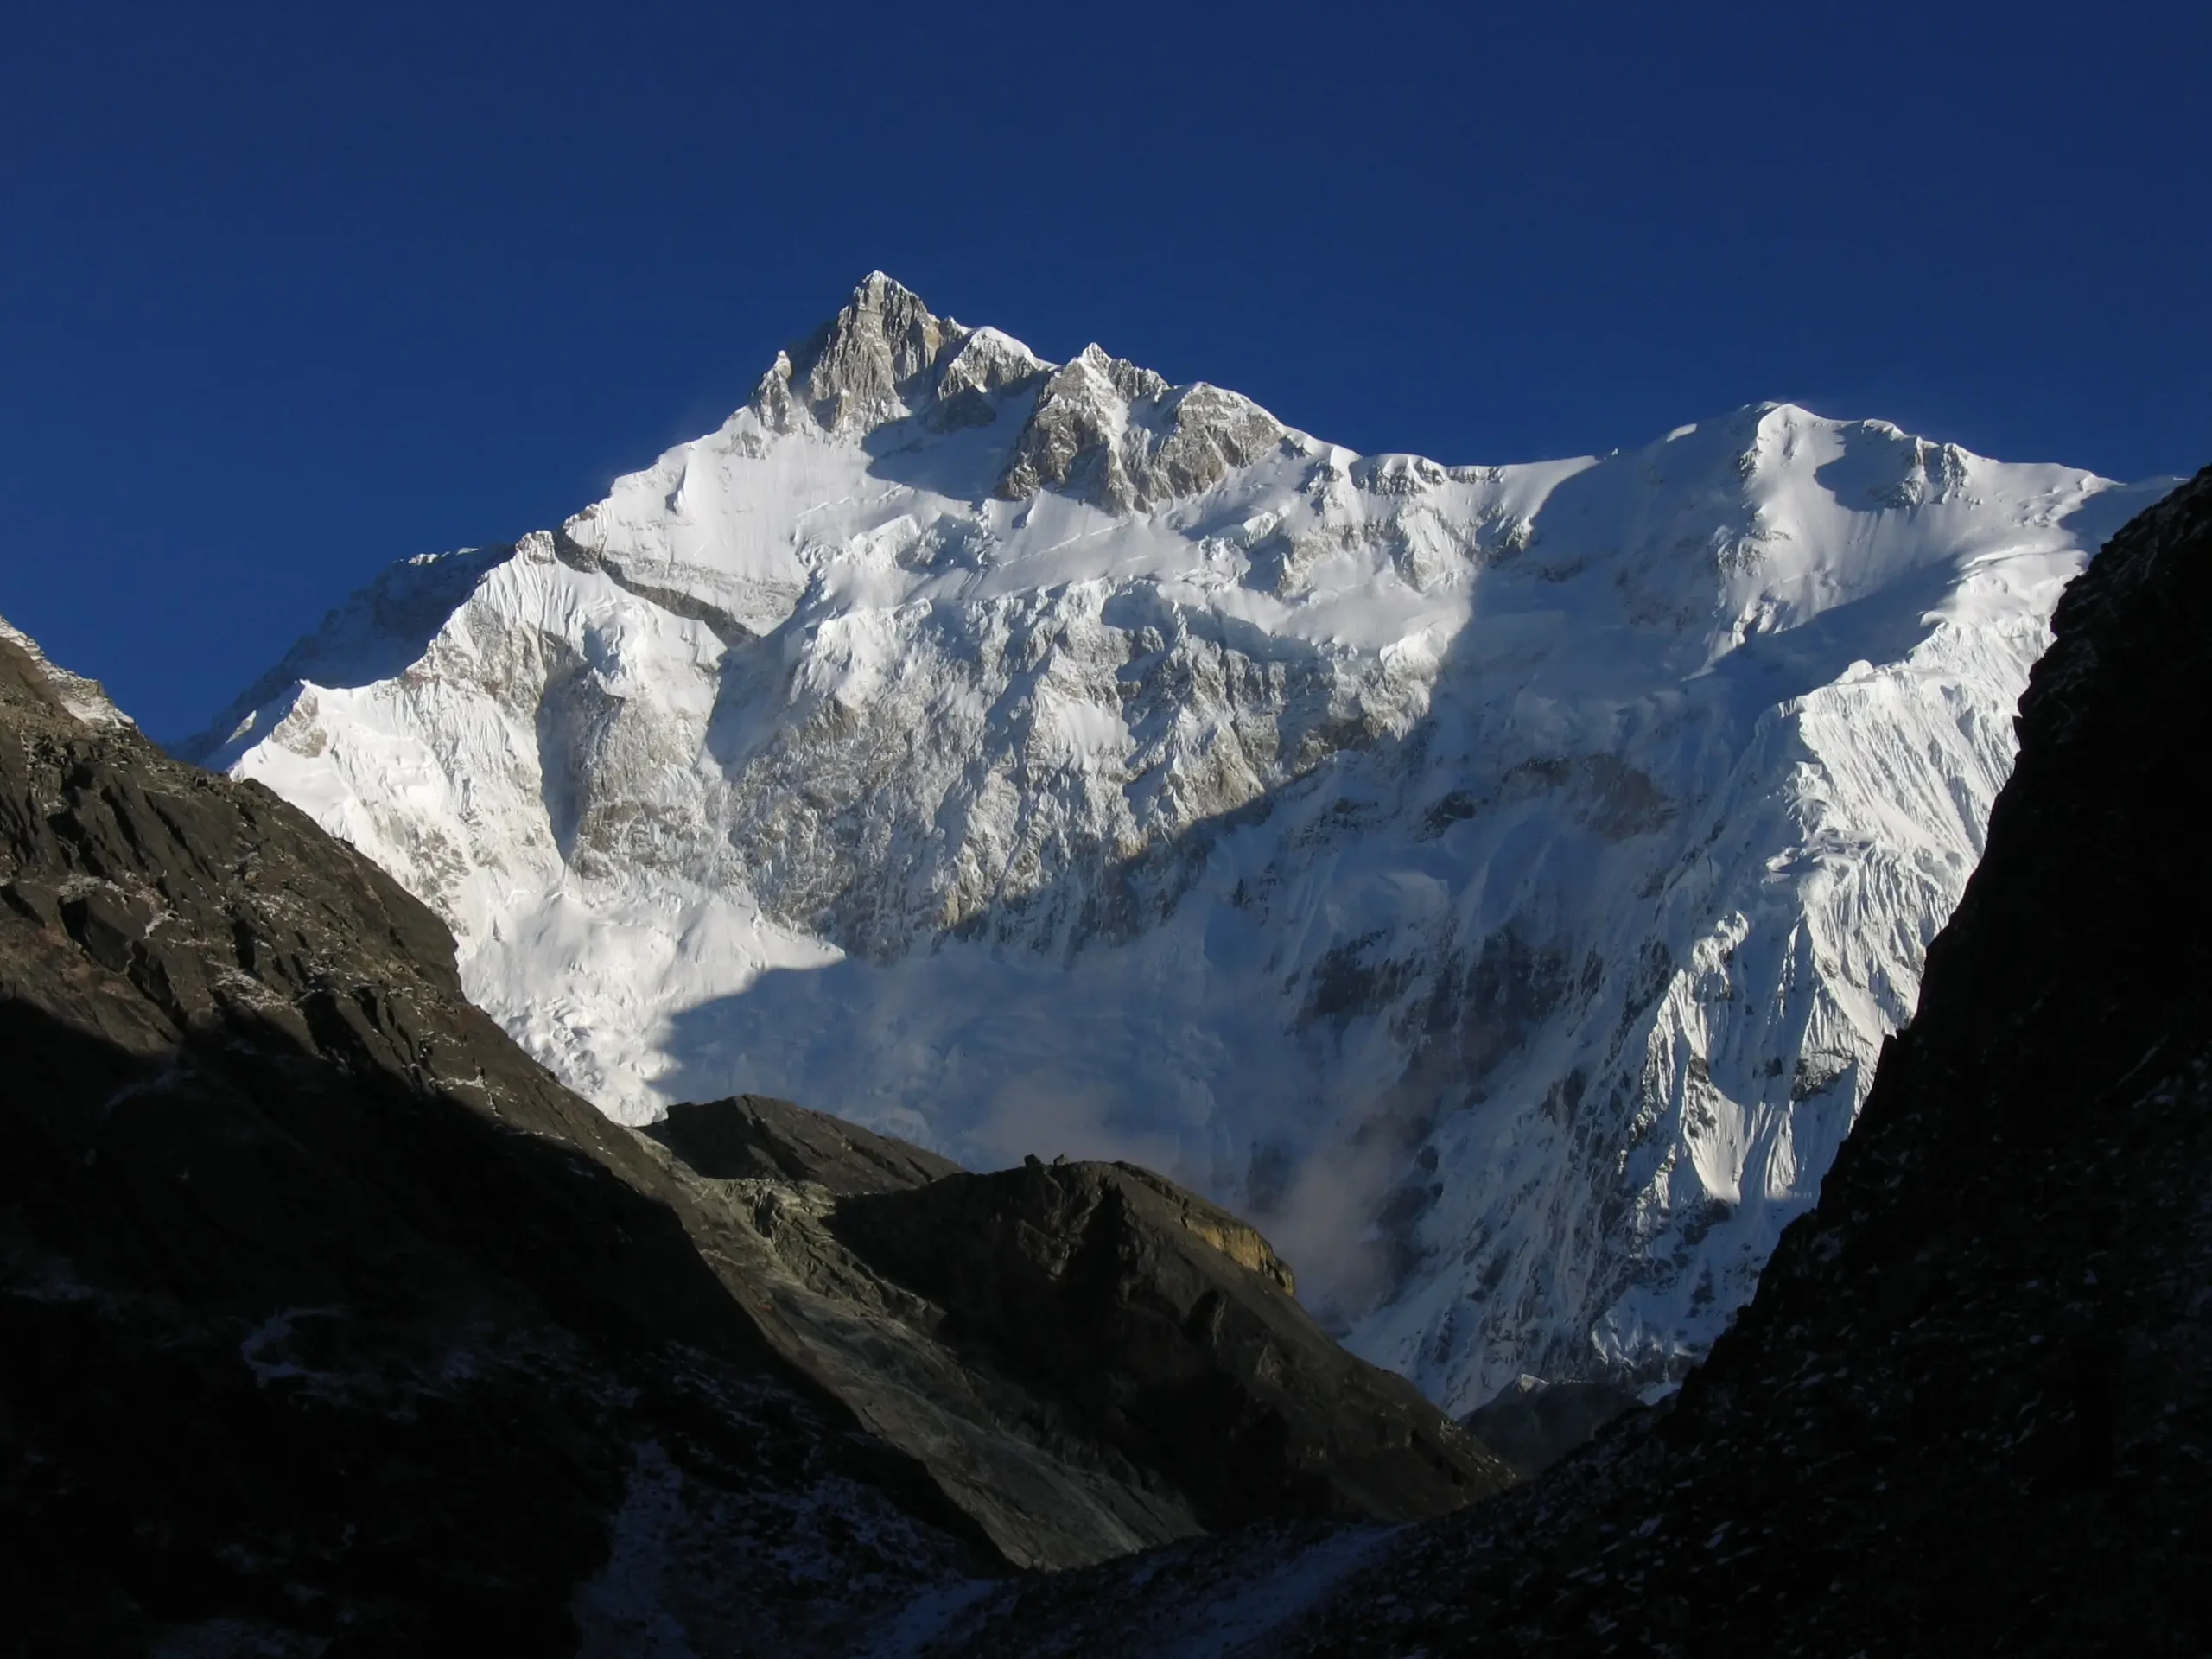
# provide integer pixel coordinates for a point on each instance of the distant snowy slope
(1496, 881)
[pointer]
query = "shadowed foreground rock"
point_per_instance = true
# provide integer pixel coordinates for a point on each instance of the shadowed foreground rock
(1171, 1324)
(755, 1137)
(1089, 1359)
(327, 1315)
(332, 1324)
(1534, 1423)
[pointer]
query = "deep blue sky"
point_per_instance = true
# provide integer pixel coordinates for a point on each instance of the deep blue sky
(290, 291)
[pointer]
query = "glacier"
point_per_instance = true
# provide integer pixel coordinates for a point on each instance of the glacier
(1497, 881)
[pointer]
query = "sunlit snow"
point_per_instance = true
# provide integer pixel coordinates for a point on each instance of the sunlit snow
(1496, 881)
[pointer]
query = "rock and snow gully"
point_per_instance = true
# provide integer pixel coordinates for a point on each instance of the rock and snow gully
(1495, 881)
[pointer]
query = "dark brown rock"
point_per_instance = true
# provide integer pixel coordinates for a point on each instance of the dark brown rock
(759, 1137)
(328, 1314)
(1202, 1396)
(1169, 1325)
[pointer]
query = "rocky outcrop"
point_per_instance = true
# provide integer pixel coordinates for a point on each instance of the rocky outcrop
(28, 678)
(987, 366)
(754, 1137)
(886, 356)
(1122, 439)
(1969, 1408)
(1087, 1358)
(1170, 1325)
(327, 1314)
(1100, 428)
(862, 365)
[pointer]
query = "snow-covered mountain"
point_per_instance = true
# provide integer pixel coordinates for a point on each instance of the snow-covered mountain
(1495, 880)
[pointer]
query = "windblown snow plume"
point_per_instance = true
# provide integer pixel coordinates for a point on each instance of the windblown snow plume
(1495, 880)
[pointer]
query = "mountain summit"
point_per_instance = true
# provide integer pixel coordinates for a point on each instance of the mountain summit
(1495, 880)
(1099, 429)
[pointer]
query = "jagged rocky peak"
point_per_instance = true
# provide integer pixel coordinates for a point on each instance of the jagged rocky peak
(857, 366)
(984, 365)
(1101, 428)
(886, 355)
(1122, 438)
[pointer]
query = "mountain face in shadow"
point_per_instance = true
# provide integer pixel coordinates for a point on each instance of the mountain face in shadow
(333, 1323)
(328, 1315)
(1536, 1422)
(1170, 1323)
(1086, 1358)
(1969, 1408)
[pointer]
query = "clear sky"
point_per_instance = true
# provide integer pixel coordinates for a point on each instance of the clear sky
(289, 291)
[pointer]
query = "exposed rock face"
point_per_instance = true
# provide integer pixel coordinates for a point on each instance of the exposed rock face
(1087, 1358)
(752, 1137)
(1171, 1323)
(1120, 437)
(329, 1314)
(1970, 1407)
(28, 676)
(987, 364)
(1100, 428)
(866, 364)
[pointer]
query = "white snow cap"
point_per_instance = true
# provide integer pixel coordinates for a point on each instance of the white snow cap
(1495, 880)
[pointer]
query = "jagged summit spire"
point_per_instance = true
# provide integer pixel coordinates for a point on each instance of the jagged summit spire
(1100, 428)
(856, 365)
(880, 282)
(1122, 438)
(885, 354)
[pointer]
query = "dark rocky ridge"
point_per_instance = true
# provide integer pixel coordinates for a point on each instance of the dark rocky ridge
(1970, 1407)
(330, 1316)
(1089, 1359)
(1170, 1323)
(759, 1138)
(1534, 1423)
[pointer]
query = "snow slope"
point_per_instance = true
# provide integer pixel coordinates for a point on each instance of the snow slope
(1497, 881)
